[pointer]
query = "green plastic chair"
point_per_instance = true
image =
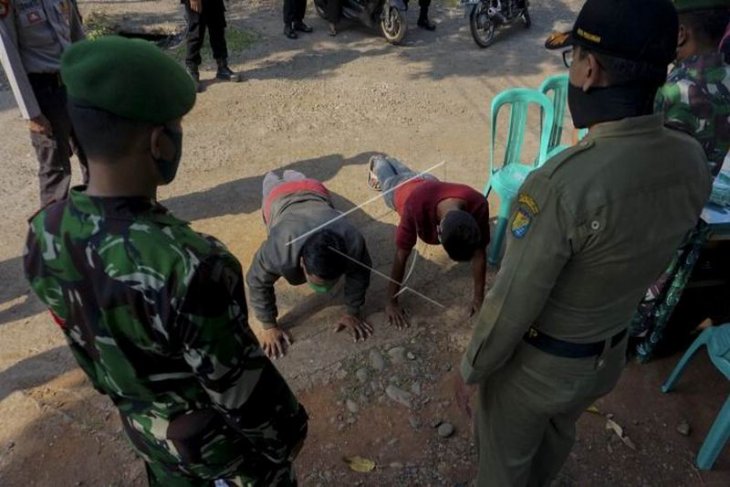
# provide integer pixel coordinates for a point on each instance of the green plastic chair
(556, 88)
(717, 341)
(507, 179)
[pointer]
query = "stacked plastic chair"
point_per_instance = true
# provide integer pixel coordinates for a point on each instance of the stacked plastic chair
(717, 341)
(506, 179)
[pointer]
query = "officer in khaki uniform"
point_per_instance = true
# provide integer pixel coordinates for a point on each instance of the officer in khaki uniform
(590, 230)
(33, 36)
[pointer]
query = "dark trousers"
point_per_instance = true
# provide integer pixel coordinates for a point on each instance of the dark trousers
(54, 151)
(334, 10)
(213, 18)
(424, 4)
(294, 10)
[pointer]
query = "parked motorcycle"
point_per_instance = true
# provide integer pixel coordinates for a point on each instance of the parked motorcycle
(486, 15)
(390, 14)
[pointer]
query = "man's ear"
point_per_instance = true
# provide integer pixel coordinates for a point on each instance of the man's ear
(593, 72)
(156, 142)
(682, 35)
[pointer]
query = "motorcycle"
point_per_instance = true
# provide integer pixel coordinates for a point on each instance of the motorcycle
(390, 14)
(486, 15)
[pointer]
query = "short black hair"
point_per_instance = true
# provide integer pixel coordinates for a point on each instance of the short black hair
(103, 135)
(621, 71)
(322, 255)
(460, 235)
(709, 24)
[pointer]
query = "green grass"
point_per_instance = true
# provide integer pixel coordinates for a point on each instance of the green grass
(98, 24)
(237, 40)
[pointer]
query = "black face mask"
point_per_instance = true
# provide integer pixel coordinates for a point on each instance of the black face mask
(608, 103)
(168, 167)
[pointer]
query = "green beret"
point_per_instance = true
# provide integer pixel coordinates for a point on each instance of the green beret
(131, 78)
(689, 5)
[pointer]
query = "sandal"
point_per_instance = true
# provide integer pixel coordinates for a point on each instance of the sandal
(373, 182)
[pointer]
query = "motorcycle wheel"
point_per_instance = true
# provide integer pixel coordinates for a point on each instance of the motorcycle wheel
(320, 11)
(482, 27)
(393, 24)
(526, 20)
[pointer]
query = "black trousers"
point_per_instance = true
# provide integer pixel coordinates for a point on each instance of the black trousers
(54, 151)
(294, 10)
(213, 18)
(422, 3)
(334, 10)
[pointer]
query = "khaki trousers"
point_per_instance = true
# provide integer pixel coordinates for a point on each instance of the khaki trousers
(525, 422)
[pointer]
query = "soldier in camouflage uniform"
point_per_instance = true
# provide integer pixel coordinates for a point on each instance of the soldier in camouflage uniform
(696, 99)
(696, 96)
(155, 313)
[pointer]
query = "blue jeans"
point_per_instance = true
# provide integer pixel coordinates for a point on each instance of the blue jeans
(391, 173)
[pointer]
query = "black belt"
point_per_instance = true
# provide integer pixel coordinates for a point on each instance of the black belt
(43, 80)
(561, 348)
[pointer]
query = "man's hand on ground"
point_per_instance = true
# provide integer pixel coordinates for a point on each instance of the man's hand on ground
(359, 329)
(397, 316)
(274, 341)
(463, 393)
(196, 6)
(40, 125)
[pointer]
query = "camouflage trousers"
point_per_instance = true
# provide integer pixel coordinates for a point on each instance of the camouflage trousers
(159, 475)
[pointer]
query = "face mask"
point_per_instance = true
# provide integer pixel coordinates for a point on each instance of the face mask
(321, 288)
(168, 167)
(608, 103)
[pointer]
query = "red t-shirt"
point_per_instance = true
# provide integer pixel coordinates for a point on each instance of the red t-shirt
(416, 203)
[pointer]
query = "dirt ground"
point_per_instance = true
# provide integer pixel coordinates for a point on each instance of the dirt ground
(323, 106)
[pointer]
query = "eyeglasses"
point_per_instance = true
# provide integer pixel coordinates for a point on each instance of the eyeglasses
(568, 57)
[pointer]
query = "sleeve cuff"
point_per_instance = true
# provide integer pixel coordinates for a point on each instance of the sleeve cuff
(353, 310)
(468, 373)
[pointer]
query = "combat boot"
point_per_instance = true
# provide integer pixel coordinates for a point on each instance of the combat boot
(225, 73)
(195, 74)
(423, 21)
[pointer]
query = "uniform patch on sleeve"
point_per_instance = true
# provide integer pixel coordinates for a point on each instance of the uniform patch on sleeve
(526, 210)
(4, 8)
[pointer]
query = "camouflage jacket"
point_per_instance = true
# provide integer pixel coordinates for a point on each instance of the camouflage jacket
(696, 97)
(155, 314)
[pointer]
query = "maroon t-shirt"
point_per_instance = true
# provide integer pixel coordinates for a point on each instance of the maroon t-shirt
(416, 203)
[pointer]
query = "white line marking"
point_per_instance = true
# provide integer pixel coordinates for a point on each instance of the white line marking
(403, 288)
(374, 198)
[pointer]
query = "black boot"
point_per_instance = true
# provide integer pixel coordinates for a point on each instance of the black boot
(289, 31)
(302, 27)
(423, 21)
(195, 74)
(224, 72)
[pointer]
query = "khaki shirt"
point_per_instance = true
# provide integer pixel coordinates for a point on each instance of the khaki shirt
(33, 36)
(589, 232)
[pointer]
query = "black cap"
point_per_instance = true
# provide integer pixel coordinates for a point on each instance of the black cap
(639, 30)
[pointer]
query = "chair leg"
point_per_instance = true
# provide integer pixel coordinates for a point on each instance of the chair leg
(677, 372)
(495, 246)
(716, 439)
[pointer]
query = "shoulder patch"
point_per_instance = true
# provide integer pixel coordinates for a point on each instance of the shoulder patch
(555, 162)
(527, 209)
(4, 8)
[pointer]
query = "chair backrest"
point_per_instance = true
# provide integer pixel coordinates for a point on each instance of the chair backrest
(519, 100)
(556, 88)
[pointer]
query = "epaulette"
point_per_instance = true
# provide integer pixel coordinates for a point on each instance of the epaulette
(559, 160)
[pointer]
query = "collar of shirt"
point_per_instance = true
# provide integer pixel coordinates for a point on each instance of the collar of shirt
(702, 61)
(628, 126)
(121, 207)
